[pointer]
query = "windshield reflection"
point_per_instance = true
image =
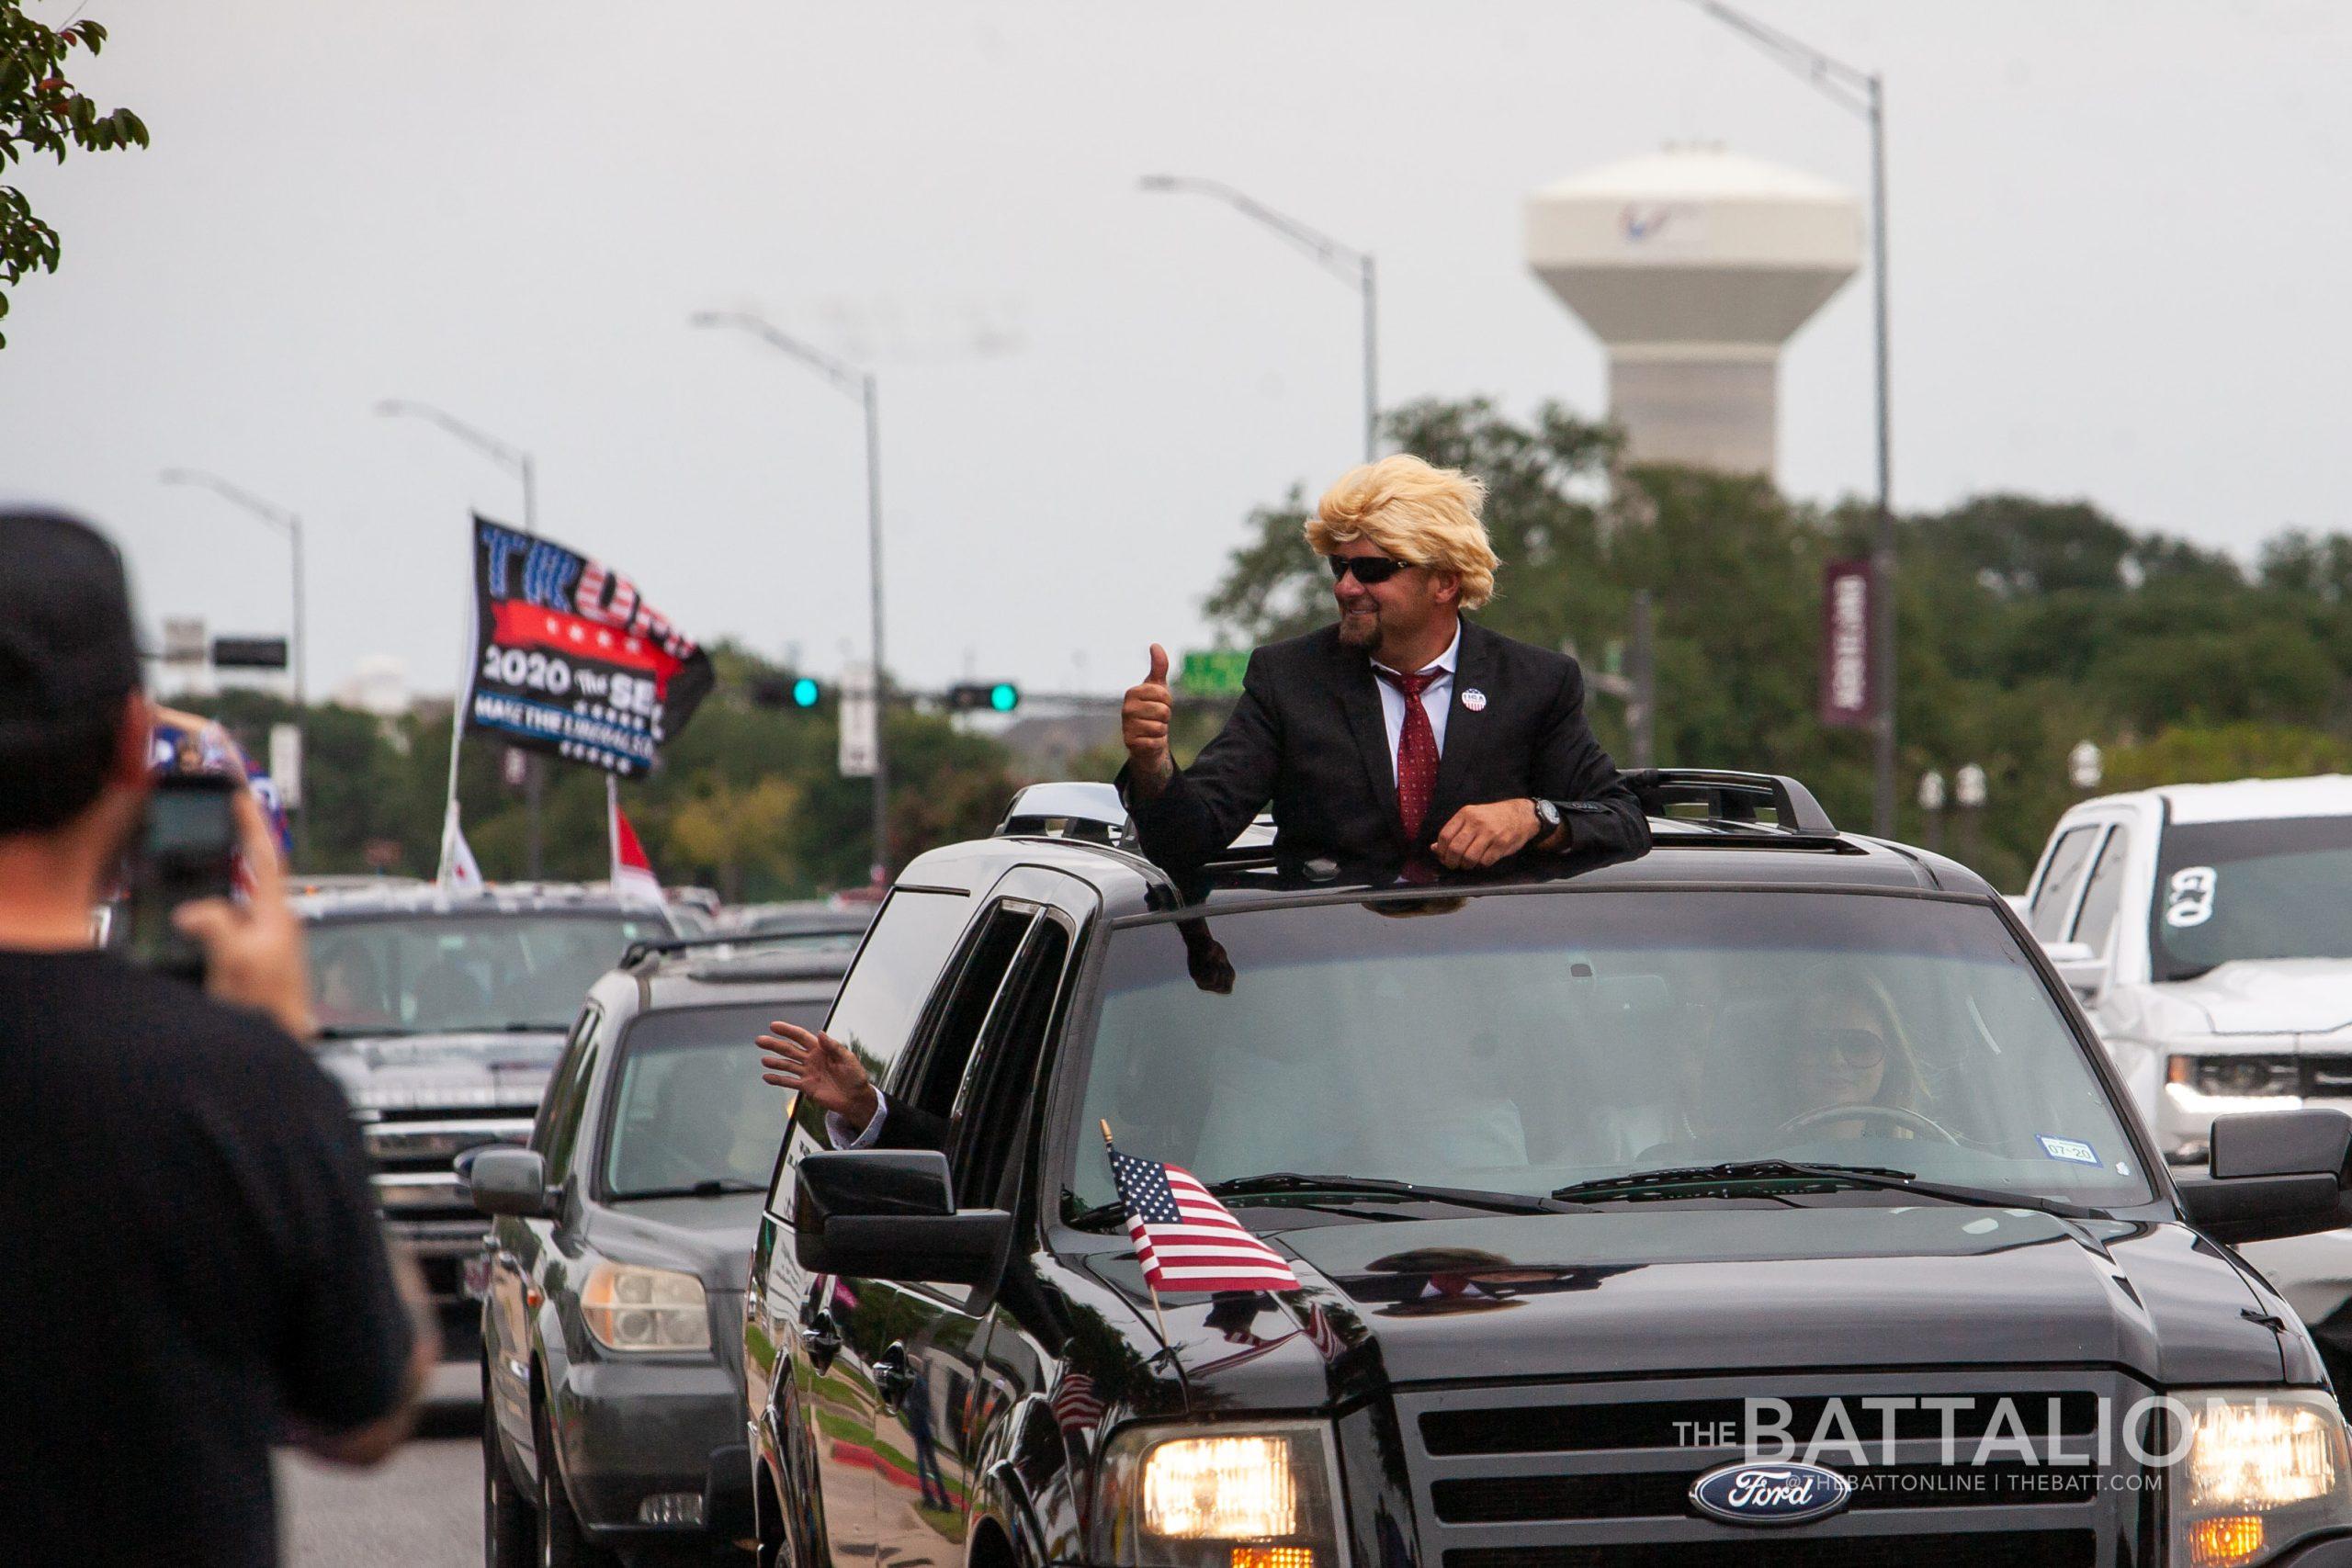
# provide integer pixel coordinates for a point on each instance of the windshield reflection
(439, 975)
(1522, 1043)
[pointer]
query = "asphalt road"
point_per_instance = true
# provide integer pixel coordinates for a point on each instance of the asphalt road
(421, 1508)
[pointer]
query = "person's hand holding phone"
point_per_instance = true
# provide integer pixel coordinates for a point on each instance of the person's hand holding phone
(254, 952)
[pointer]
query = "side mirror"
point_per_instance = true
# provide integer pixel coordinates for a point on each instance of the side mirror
(509, 1182)
(2275, 1173)
(891, 1215)
(2083, 968)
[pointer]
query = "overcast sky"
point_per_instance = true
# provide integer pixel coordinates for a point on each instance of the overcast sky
(2119, 242)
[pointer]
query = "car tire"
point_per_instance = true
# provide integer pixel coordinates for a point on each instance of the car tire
(563, 1543)
(510, 1529)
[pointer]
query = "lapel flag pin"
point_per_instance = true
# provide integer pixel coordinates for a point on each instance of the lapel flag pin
(1475, 700)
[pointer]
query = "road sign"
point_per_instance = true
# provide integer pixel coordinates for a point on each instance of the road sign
(183, 640)
(1214, 672)
(285, 763)
(249, 653)
(860, 742)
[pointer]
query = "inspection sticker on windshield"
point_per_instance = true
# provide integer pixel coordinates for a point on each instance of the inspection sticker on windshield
(2189, 897)
(2068, 1149)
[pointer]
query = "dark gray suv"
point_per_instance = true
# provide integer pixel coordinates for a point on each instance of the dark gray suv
(612, 1332)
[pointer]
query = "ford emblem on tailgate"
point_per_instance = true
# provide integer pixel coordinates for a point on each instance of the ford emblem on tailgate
(1770, 1494)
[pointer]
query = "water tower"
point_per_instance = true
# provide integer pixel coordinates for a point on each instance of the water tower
(1694, 267)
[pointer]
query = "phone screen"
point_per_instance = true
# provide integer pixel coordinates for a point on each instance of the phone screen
(188, 852)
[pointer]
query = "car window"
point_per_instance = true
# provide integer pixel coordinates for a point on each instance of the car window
(563, 1127)
(2055, 896)
(1524, 1043)
(995, 1095)
(2236, 892)
(444, 974)
(2104, 895)
(689, 1110)
(928, 1078)
(564, 1084)
(879, 1004)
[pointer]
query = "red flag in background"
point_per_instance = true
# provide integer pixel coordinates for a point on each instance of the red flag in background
(633, 878)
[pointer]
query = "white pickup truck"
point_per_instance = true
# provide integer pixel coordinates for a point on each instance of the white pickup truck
(2207, 930)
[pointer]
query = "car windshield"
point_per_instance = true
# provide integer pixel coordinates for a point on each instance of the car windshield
(691, 1114)
(432, 974)
(2281, 888)
(1525, 1043)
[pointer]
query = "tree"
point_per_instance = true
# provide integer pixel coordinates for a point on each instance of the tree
(41, 112)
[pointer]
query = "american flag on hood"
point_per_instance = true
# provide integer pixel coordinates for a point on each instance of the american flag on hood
(1185, 1239)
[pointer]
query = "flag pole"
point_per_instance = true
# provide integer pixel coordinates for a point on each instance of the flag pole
(612, 830)
(464, 692)
(1167, 1340)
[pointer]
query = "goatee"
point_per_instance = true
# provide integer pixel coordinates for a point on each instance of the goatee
(1360, 632)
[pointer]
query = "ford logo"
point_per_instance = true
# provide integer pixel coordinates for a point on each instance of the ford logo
(1770, 1494)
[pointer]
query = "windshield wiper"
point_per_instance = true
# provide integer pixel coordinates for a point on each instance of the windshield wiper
(354, 1031)
(713, 1189)
(1877, 1177)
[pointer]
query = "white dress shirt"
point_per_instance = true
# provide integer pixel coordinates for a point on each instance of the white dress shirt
(837, 1130)
(1436, 698)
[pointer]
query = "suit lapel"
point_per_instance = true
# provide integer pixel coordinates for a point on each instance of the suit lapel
(1360, 699)
(1466, 730)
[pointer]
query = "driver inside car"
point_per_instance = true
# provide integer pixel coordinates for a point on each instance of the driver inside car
(1848, 1048)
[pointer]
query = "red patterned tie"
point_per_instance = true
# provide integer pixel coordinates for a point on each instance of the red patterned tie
(1416, 751)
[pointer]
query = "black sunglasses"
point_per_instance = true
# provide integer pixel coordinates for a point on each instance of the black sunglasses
(1854, 1047)
(1369, 570)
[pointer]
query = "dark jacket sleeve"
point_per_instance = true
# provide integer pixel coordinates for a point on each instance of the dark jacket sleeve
(909, 1128)
(1571, 768)
(1206, 806)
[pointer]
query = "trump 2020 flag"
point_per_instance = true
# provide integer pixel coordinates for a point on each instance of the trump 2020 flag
(1185, 1239)
(569, 660)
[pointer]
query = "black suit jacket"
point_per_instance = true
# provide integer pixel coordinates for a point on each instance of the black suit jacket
(906, 1127)
(1308, 737)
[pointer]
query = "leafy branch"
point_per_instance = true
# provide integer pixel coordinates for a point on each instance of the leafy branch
(41, 112)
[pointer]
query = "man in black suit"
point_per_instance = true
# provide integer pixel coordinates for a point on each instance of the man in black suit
(1403, 730)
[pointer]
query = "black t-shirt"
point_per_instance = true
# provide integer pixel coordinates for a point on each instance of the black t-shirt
(189, 1256)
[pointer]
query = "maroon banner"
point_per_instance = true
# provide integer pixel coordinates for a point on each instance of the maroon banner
(1848, 694)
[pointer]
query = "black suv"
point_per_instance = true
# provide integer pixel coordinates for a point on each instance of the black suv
(1772, 1179)
(611, 1369)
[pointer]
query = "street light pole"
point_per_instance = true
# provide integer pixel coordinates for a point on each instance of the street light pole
(1861, 92)
(281, 520)
(1351, 266)
(860, 384)
(517, 461)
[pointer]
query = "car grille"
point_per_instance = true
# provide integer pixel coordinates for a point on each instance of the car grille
(1569, 1474)
(2325, 1077)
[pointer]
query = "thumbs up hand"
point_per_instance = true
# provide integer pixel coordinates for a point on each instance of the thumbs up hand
(1143, 725)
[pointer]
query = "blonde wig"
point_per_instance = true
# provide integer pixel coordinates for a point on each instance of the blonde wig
(1415, 512)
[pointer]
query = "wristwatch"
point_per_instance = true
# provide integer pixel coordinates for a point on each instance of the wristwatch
(1547, 812)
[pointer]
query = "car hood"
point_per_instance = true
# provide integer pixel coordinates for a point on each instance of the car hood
(395, 1072)
(2275, 996)
(1694, 1289)
(708, 1238)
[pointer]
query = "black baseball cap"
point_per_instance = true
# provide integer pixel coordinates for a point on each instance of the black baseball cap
(68, 651)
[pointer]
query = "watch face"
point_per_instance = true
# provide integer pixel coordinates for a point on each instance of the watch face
(1547, 813)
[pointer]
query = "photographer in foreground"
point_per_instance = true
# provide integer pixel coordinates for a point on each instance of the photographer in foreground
(184, 1204)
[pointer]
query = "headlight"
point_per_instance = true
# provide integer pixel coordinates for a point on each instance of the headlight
(632, 1308)
(2261, 1471)
(1247, 1494)
(2234, 1077)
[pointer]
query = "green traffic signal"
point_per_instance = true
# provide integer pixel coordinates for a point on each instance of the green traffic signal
(1004, 696)
(804, 693)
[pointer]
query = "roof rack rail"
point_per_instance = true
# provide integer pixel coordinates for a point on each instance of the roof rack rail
(1732, 797)
(637, 952)
(1070, 809)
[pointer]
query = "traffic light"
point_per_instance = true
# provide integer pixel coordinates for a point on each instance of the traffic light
(1000, 696)
(801, 692)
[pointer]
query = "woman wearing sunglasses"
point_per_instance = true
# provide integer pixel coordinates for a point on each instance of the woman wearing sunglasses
(1401, 732)
(1849, 1049)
